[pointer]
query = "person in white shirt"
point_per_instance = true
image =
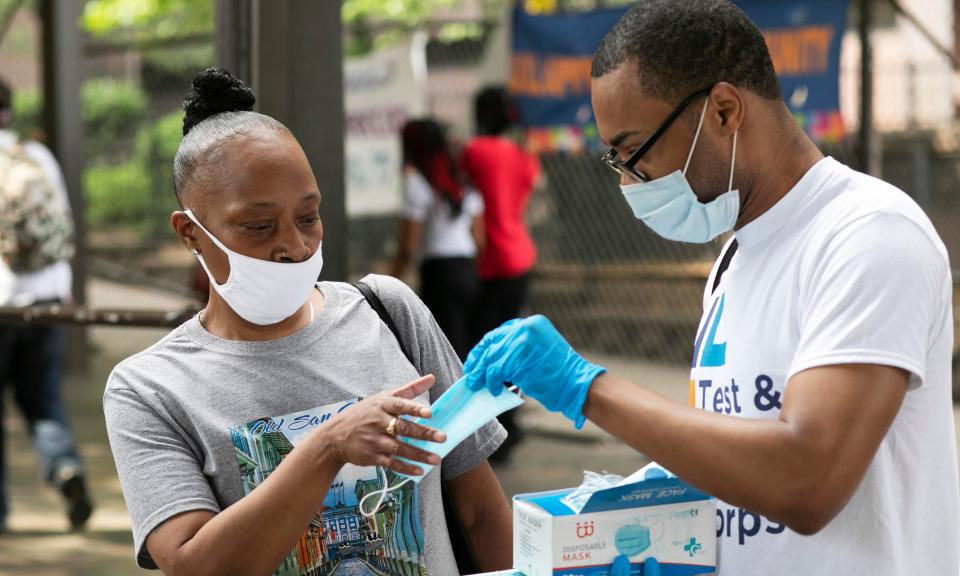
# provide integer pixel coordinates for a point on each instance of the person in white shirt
(820, 410)
(443, 220)
(30, 356)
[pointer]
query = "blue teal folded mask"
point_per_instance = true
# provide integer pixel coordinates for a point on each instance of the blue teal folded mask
(458, 413)
(632, 539)
(670, 208)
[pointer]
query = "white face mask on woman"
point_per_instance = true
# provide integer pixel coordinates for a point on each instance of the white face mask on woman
(263, 292)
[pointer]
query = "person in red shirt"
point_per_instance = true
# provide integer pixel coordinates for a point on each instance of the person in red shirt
(506, 175)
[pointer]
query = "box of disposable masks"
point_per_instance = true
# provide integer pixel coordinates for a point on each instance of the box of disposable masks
(656, 526)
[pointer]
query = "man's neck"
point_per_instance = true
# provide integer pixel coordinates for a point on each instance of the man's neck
(778, 173)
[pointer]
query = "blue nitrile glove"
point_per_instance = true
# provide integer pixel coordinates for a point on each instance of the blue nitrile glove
(532, 355)
(651, 567)
(620, 566)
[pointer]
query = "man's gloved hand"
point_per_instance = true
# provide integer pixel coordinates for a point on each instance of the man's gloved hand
(531, 354)
(621, 566)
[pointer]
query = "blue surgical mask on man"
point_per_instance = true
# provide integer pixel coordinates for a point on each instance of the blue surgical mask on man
(670, 208)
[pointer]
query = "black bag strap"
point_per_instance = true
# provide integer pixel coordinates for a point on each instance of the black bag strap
(374, 301)
(724, 264)
(459, 541)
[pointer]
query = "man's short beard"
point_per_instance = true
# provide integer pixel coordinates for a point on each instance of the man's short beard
(710, 170)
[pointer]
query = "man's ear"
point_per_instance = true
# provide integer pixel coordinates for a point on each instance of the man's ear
(185, 230)
(728, 108)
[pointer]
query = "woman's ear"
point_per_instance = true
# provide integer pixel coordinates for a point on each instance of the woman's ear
(185, 230)
(728, 103)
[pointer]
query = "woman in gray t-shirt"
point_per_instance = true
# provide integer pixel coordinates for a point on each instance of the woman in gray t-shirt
(203, 424)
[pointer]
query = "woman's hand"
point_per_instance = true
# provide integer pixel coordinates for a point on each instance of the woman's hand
(359, 435)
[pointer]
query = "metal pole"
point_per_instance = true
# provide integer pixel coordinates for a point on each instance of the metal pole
(298, 77)
(931, 39)
(869, 150)
(920, 160)
(82, 316)
(234, 37)
(912, 95)
(64, 133)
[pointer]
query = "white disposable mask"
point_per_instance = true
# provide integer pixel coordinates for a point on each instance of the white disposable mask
(261, 291)
(670, 208)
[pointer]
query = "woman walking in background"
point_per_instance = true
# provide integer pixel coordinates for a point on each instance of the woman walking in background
(441, 219)
(505, 174)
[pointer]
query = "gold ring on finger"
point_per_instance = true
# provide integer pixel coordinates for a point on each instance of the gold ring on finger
(392, 427)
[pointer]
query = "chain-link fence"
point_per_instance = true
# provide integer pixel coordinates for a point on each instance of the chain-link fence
(128, 177)
(610, 284)
(606, 281)
(614, 287)
(131, 96)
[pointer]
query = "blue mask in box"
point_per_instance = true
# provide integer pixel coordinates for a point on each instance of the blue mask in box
(632, 539)
(459, 412)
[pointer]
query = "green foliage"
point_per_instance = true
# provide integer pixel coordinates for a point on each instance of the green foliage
(162, 139)
(179, 62)
(117, 195)
(112, 110)
(409, 12)
(153, 18)
(134, 194)
(362, 18)
(165, 18)
(27, 112)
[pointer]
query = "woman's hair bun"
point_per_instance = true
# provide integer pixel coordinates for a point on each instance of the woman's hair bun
(215, 91)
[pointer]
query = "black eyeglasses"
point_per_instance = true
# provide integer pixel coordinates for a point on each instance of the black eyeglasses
(627, 166)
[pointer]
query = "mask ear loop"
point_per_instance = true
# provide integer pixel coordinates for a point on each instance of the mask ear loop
(696, 136)
(214, 239)
(733, 161)
(380, 494)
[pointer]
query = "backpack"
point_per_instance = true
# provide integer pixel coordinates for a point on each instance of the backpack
(36, 225)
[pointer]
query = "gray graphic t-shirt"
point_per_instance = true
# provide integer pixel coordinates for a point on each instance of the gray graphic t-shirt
(196, 422)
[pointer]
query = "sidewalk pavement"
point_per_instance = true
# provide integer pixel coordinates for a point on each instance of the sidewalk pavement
(553, 456)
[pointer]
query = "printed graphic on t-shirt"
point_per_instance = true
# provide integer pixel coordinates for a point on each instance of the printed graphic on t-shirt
(340, 540)
(719, 387)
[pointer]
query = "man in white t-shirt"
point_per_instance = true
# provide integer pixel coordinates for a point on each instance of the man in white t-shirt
(820, 408)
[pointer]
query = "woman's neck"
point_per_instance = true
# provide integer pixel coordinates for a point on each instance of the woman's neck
(221, 321)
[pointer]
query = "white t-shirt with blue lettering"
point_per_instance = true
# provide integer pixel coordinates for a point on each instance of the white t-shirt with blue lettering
(844, 269)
